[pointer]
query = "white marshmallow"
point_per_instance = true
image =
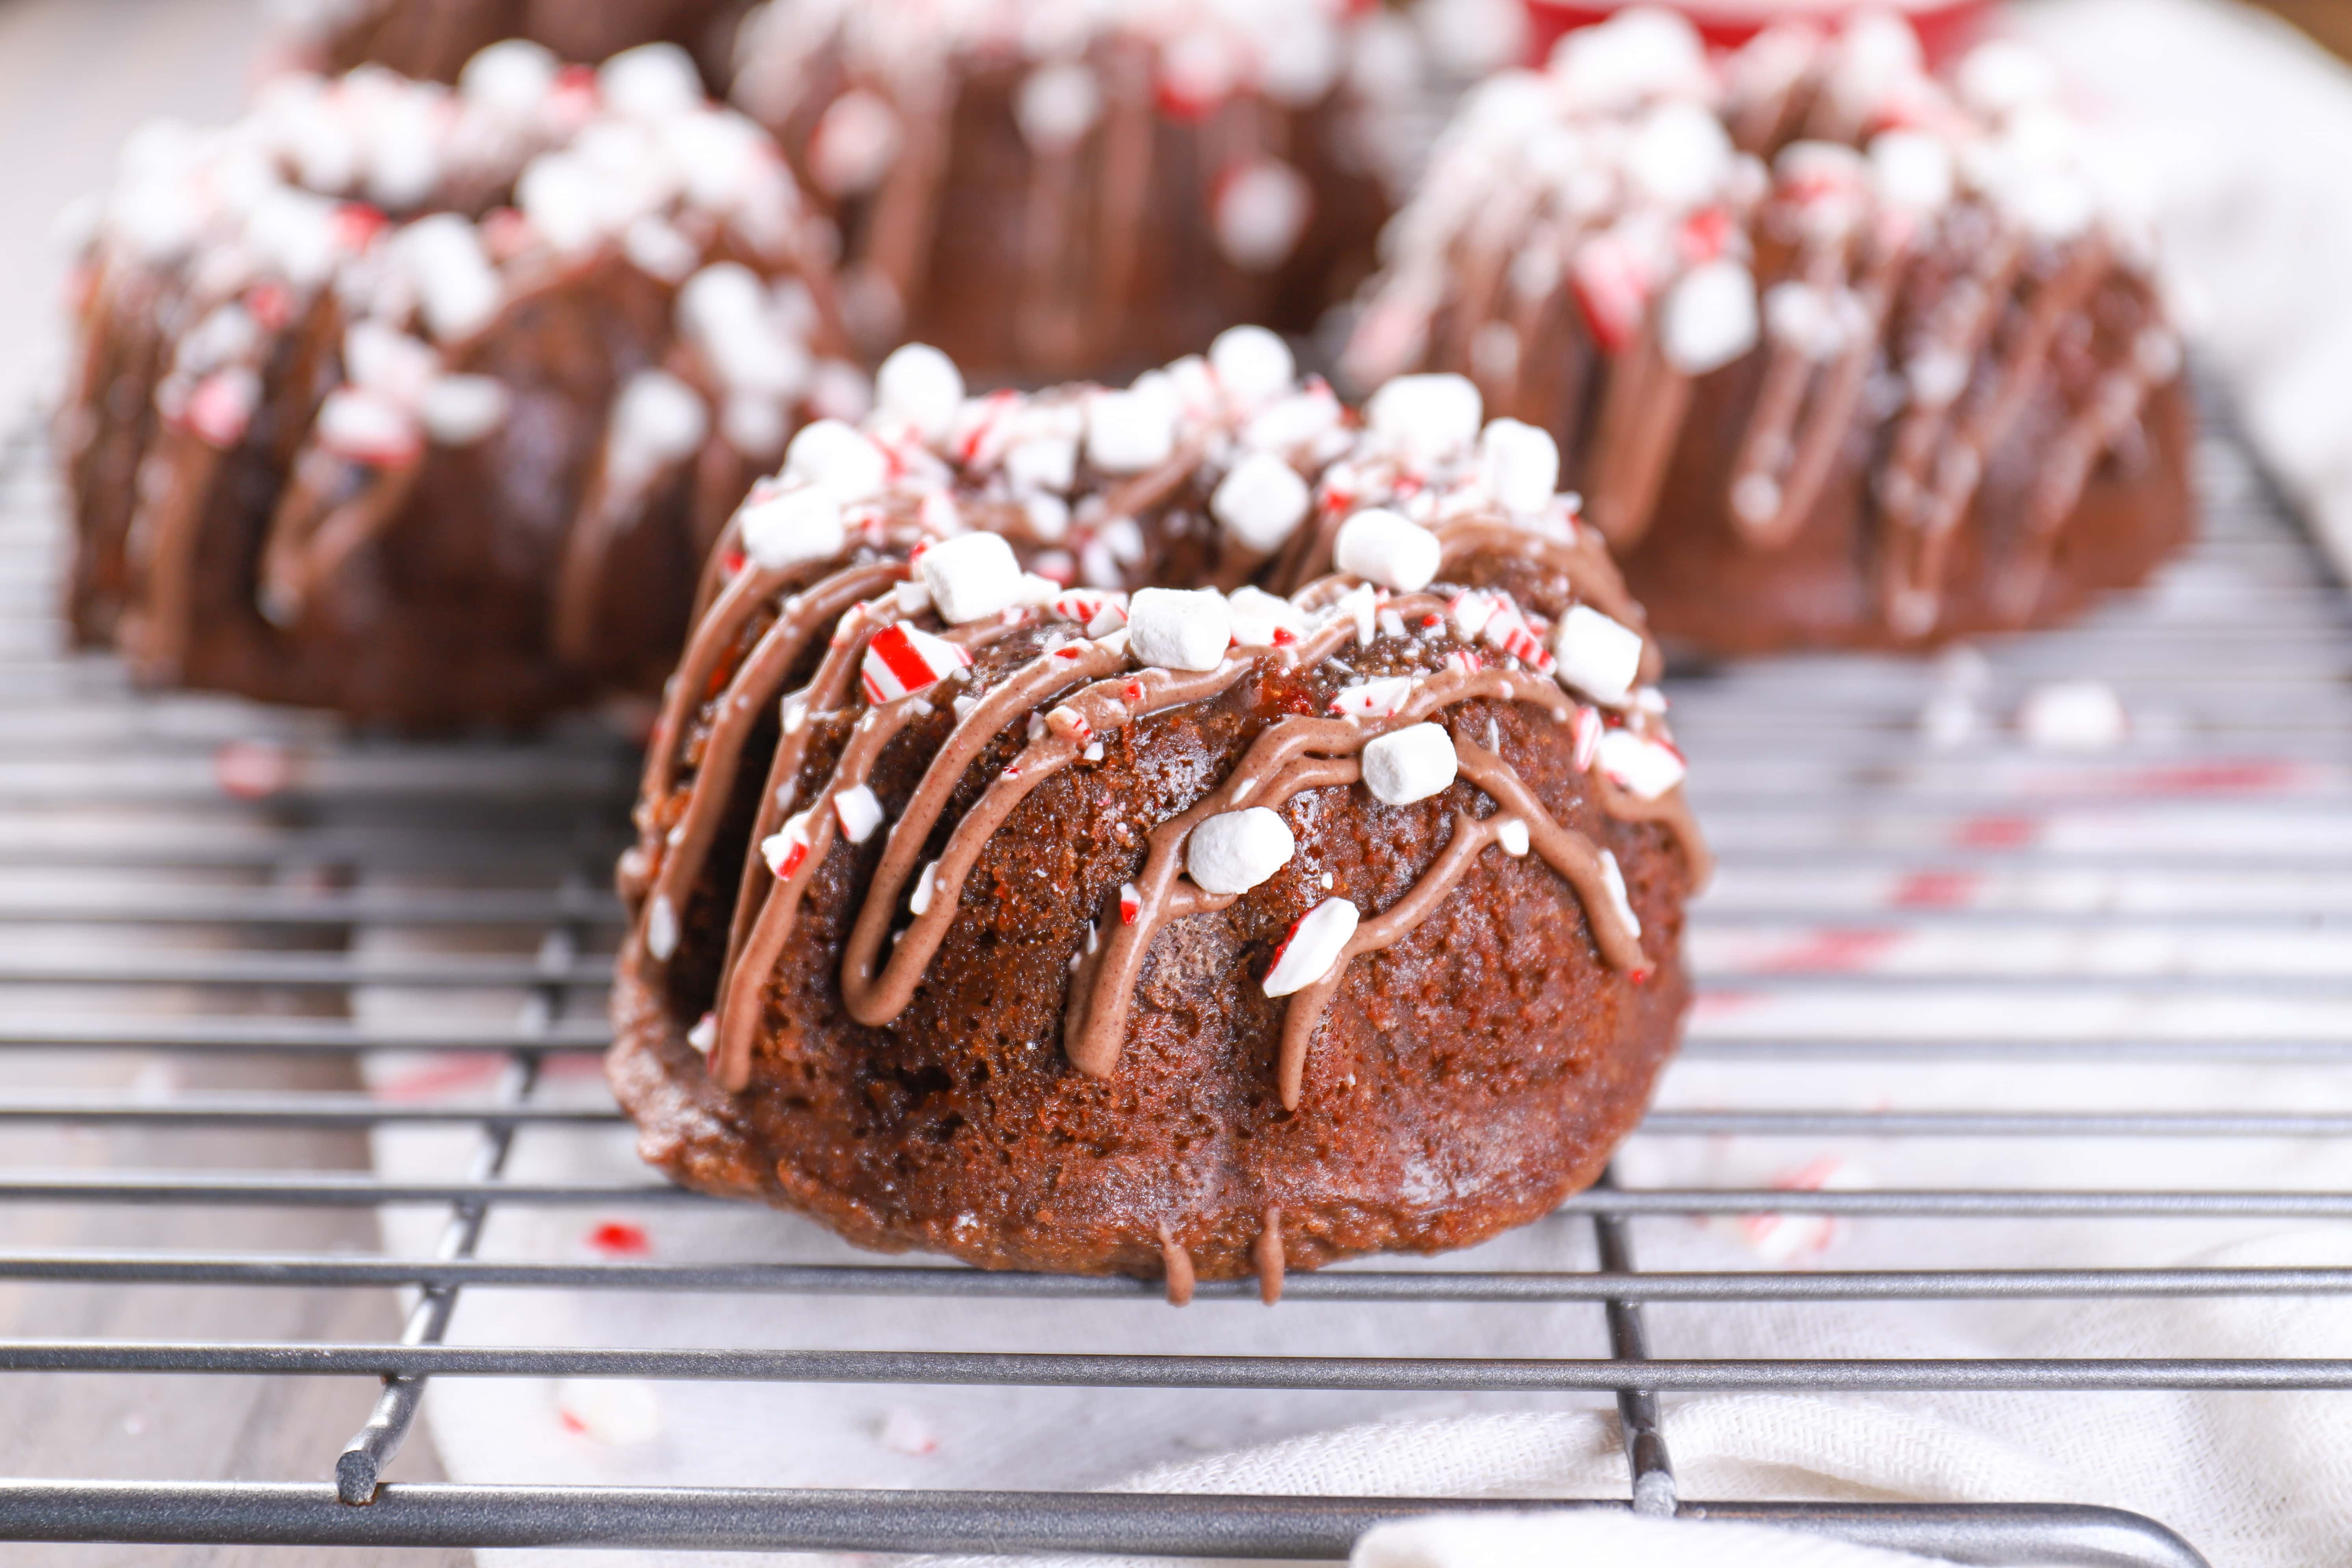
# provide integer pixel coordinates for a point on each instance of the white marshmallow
(1313, 946)
(859, 811)
(1382, 547)
(1598, 656)
(1289, 423)
(459, 410)
(1179, 629)
(1261, 502)
(1710, 317)
(855, 142)
(659, 421)
(1260, 210)
(1636, 53)
(1258, 617)
(1519, 465)
(512, 78)
(1252, 365)
(1235, 850)
(2002, 75)
(456, 285)
(921, 385)
(838, 459)
(1043, 463)
(1409, 764)
(1426, 416)
(1056, 106)
(972, 577)
(652, 82)
(1911, 170)
(790, 527)
(1129, 431)
(1679, 154)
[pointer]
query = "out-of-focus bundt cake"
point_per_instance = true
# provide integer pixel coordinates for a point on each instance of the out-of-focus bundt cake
(1838, 352)
(1047, 189)
(1175, 830)
(425, 404)
(431, 40)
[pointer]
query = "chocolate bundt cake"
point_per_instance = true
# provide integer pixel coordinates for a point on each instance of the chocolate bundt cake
(1156, 921)
(1047, 190)
(1839, 354)
(431, 40)
(425, 405)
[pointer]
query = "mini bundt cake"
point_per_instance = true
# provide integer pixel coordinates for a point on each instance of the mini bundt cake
(1141, 925)
(1839, 354)
(425, 405)
(1047, 190)
(431, 40)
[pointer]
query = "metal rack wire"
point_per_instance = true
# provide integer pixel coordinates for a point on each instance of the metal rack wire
(275, 836)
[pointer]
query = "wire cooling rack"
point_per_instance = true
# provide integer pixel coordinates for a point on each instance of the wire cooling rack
(1855, 802)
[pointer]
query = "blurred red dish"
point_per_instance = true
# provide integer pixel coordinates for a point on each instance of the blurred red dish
(1946, 28)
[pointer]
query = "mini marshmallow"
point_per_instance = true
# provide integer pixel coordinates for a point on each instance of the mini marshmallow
(1288, 422)
(457, 288)
(1911, 170)
(1426, 416)
(901, 661)
(1235, 850)
(1409, 764)
(1262, 619)
(1382, 547)
(1259, 211)
(1261, 502)
(1252, 365)
(1056, 105)
(790, 526)
(838, 460)
(1129, 431)
(652, 82)
(512, 78)
(921, 385)
(2001, 76)
(1679, 154)
(859, 811)
(972, 577)
(1710, 317)
(855, 142)
(1598, 656)
(1519, 465)
(658, 421)
(367, 428)
(1179, 629)
(1048, 463)
(1313, 946)
(1646, 767)
(459, 410)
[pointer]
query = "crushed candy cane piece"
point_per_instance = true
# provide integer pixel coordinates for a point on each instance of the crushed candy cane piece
(901, 661)
(1312, 947)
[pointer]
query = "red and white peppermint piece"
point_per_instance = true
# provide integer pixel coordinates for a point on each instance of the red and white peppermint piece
(704, 1035)
(1261, 619)
(1130, 903)
(1312, 947)
(1068, 723)
(1646, 767)
(902, 661)
(860, 812)
(1612, 285)
(918, 901)
(1465, 661)
(1512, 835)
(221, 407)
(661, 928)
(1509, 633)
(786, 849)
(1088, 606)
(1470, 611)
(1589, 728)
(1378, 699)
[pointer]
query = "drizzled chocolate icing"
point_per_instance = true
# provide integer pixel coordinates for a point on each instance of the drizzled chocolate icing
(1838, 352)
(869, 705)
(423, 403)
